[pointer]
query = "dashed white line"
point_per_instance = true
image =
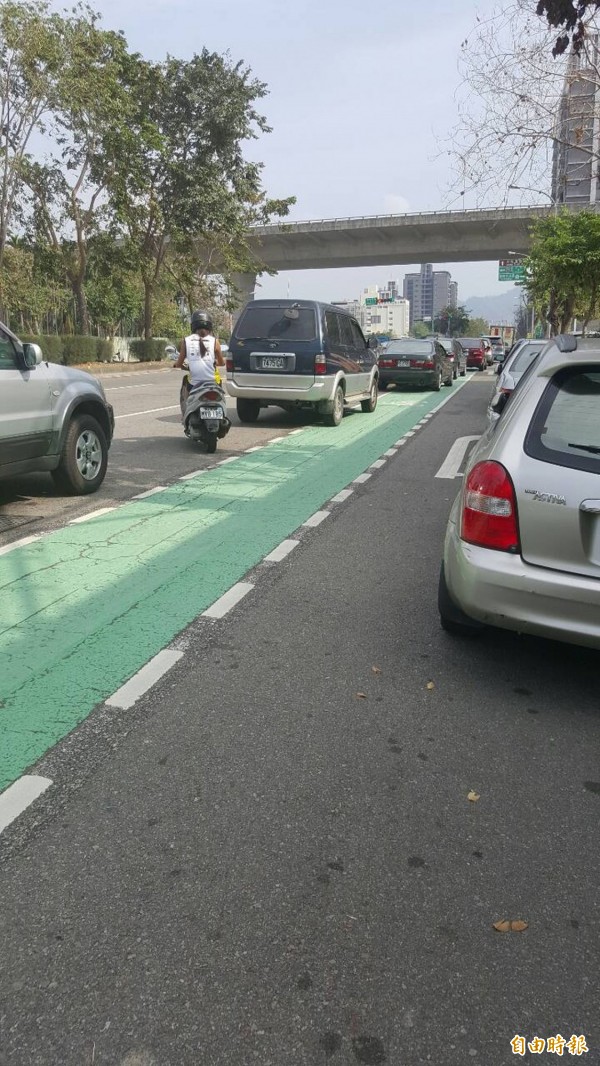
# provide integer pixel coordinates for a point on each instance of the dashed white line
(150, 411)
(19, 543)
(281, 551)
(19, 796)
(341, 496)
(360, 480)
(92, 514)
(453, 461)
(149, 492)
(293, 432)
(225, 603)
(410, 433)
(399, 443)
(256, 448)
(193, 473)
(390, 452)
(231, 459)
(138, 685)
(275, 440)
(316, 518)
(378, 464)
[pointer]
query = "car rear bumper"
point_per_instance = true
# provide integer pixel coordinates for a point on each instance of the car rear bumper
(409, 377)
(475, 364)
(500, 589)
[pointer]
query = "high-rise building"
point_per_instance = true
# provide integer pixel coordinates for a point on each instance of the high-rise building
(428, 292)
(380, 310)
(576, 153)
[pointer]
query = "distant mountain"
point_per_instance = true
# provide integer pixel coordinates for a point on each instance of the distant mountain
(499, 309)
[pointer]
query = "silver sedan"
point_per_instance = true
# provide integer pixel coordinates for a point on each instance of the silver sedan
(509, 374)
(522, 547)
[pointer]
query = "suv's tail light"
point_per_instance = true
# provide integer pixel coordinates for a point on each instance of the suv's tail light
(229, 365)
(320, 363)
(489, 508)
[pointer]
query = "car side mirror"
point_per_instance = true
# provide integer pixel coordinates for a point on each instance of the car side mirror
(32, 355)
(372, 343)
(171, 352)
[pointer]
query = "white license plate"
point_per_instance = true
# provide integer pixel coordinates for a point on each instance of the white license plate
(273, 362)
(211, 412)
(403, 362)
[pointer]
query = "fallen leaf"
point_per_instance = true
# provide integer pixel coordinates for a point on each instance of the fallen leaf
(430, 684)
(473, 797)
(514, 926)
(361, 695)
(376, 669)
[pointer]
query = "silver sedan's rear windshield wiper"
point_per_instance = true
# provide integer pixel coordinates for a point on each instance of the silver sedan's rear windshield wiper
(586, 448)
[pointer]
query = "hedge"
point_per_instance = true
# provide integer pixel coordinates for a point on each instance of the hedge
(148, 351)
(70, 350)
(51, 345)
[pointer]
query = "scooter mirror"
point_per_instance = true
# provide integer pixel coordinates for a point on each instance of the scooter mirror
(171, 352)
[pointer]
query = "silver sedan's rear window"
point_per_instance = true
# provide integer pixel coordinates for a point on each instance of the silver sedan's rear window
(565, 429)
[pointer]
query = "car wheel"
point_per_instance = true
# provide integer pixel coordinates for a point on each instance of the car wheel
(248, 410)
(382, 385)
(438, 383)
(334, 415)
(211, 444)
(452, 619)
(450, 382)
(455, 374)
(463, 373)
(482, 368)
(84, 457)
(368, 406)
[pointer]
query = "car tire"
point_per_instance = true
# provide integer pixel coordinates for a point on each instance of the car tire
(84, 457)
(211, 444)
(450, 382)
(438, 383)
(247, 410)
(463, 373)
(455, 374)
(452, 619)
(368, 406)
(482, 368)
(333, 416)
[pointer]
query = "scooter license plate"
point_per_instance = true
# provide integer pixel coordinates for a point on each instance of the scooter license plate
(211, 412)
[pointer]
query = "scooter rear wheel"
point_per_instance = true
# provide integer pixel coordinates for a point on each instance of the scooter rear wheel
(211, 444)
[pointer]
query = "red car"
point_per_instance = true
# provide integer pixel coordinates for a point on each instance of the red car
(475, 349)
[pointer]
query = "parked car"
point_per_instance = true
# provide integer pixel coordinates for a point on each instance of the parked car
(416, 362)
(498, 349)
(476, 352)
(522, 547)
(300, 354)
(456, 355)
(509, 374)
(52, 418)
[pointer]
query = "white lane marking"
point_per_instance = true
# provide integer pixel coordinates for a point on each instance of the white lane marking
(275, 440)
(399, 443)
(19, 796)
(360, 480)
(341, 496)
(150, 411)
(138, 685)
(256, 448)
(378, 464)
(225, 603)
(293, 432)
(453, 461)
(19, 543)
(281, 551)
(231, 459)
(92, 514)
(142, 385)
(149, 492)
(194, 473)
(410, 433)
(316, 518)
(390, 452)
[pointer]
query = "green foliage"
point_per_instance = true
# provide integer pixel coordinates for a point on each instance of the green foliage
(51, 345)
(451, 321)
(419, 330)
(104, 350)
(79, 349)
(148, 351)
(563, 268)
(475, 327)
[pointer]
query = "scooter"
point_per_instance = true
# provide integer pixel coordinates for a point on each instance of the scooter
(203, 409)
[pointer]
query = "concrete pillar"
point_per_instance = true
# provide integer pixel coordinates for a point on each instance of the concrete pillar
(242, 290)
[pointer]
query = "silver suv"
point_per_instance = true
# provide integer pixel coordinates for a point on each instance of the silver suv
(51, 418)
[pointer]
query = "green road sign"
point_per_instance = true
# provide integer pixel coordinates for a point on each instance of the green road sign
(370, 301)
(511, 270)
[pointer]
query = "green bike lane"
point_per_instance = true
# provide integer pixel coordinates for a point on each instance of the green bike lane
(85, 607)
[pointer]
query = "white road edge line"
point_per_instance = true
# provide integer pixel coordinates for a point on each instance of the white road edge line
(390, 452)
(256, 448)
(293, 432)
(225, 603)
(453, 461)
(275, 440)
(341, 496)
(316, 519)
(149, 492)
(193, 473)
(360, 480)
(151, 411)
(20, 543)
(20, 795)
(138, 685)
(281, 551)
(231, 459)
(378, 464)
(92, 514)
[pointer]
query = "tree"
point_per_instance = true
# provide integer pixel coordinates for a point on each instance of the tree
(511, 96)
(419, 330)
(30, 56)
(451, 321)
(570, 16)
(563, 269)
(476, 327)
(187, 189)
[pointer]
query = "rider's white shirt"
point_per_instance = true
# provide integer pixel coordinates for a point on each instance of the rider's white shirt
(202, 367)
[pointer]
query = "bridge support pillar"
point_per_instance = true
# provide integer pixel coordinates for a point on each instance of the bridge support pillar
(243, 287)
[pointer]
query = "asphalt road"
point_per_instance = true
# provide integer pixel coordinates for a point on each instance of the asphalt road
(148, 449)
(272, 859)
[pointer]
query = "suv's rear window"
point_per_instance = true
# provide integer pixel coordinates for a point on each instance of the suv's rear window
(277, 323)
(566, 426)
(409, 347)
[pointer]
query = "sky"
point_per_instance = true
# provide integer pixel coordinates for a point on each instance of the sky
(361, 100)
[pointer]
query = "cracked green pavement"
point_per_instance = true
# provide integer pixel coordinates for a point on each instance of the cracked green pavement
(85, 607)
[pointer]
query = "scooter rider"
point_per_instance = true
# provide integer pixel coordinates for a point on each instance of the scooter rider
(202, 353)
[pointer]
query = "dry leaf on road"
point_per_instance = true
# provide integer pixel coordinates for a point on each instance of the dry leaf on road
(361, 695)
(508, 926)
(473, 797)
(376, 669)
(430, 684)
